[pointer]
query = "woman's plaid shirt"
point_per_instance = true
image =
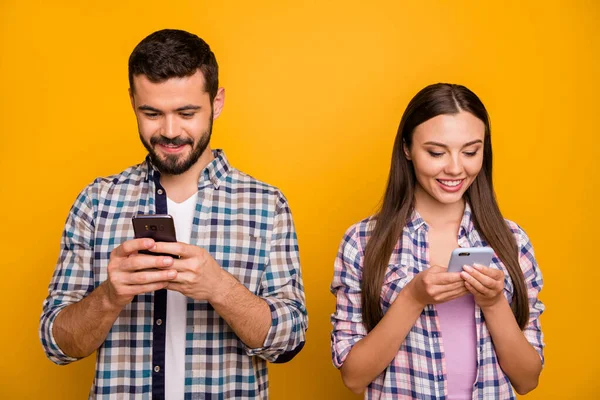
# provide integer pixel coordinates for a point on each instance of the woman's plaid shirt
(418, 370)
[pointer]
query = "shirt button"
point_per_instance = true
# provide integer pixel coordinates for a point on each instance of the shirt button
(160, 191)
(159, 321)
(156, 368)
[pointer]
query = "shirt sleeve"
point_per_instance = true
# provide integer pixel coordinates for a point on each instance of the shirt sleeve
(348, 327)
(533, 283)
(282, 289)
(73, 278)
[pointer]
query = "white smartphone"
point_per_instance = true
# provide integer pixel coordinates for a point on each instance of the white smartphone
(469, 256)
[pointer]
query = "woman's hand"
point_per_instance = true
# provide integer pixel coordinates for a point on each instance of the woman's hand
(485, 283)
(436, 285)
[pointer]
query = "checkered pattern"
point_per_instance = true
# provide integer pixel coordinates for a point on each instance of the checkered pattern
(247, 227)
(417, 371)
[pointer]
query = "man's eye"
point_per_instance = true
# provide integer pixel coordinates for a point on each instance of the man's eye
(187, 115)
(151, 115)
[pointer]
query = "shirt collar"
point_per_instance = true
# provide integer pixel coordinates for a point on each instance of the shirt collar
(216, 171)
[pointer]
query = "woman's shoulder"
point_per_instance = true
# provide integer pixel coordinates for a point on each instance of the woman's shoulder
(520, 236)
(358, 233)
(362, 227)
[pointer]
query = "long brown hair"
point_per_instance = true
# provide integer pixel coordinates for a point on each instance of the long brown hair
(398, 201)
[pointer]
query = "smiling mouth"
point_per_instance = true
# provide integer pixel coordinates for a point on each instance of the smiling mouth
(450, 183)
(171, 148)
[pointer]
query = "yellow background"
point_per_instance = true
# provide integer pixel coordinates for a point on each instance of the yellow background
(315, 91)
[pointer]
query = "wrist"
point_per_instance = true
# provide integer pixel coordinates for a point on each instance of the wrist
(495, 306)
(108, 301)
(225, 288)
(410, 294)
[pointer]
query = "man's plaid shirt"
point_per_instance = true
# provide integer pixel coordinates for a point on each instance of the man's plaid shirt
(245, 224)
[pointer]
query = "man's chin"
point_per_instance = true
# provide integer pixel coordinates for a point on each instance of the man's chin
(170, 166)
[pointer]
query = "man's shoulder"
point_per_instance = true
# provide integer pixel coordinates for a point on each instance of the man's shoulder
(134, 175)
(241, 181)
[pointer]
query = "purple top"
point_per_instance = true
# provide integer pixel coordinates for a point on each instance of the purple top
(457, 325)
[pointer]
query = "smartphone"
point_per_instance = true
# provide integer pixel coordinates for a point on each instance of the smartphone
(469, 256)
(159, 227)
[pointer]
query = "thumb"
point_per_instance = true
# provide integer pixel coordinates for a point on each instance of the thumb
(436, 269)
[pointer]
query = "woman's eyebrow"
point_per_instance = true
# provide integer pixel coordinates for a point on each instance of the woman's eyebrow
(445, 146)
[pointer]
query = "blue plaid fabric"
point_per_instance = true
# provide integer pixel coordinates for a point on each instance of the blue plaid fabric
(245, 224)
(418, 370)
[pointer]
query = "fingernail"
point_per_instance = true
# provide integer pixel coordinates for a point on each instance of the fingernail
(148, 243)
(167, 260)
(467, 268)
(171, 274)
(477, 267)
(465, 275)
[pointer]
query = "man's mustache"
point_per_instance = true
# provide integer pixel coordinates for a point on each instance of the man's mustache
(165, 141)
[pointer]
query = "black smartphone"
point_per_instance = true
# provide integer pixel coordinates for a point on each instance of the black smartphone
(159, 227)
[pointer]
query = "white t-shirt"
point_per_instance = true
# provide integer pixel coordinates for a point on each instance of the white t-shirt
(183, 216)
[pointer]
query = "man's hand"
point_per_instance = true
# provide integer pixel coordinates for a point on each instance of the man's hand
(199, 276)
(130, 273)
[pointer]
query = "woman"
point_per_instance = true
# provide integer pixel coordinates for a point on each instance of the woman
(404, 327)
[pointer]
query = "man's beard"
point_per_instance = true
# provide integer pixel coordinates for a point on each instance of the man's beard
(175, 164)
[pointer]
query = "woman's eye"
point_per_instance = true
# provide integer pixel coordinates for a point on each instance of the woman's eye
(434, 154)
(470, 153)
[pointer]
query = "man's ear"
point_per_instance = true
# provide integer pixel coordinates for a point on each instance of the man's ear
(218, 103)
(131, 98)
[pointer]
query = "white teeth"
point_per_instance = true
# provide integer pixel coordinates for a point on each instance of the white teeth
(450, 183)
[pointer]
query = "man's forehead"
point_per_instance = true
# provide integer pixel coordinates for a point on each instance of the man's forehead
(171, 93)
(142, 82)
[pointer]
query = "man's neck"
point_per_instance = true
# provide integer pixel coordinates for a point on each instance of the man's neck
(180, 187)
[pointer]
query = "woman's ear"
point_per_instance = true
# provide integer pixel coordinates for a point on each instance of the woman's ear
(406, 151)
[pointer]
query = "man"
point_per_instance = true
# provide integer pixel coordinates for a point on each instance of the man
(201, 324)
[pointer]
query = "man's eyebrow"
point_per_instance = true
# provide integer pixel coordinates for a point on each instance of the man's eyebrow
(187, 107)
(146, 107)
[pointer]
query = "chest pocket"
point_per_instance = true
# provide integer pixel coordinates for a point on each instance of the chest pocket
(396, 278)
(242, 255)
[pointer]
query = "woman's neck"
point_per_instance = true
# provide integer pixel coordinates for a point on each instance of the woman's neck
(436, 214)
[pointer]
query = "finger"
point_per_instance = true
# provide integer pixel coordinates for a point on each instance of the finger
(182, 250)
(493, 273)
(453, 294)
(437, 269)
(440, 293)
(148, 276)
(177, 286)
(131, 246)
(481, 278)
(183, 276)
(472, 290)
(471, 282)
(151, 287)
(446, 278)
(451, 286)
(139, 262)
